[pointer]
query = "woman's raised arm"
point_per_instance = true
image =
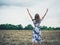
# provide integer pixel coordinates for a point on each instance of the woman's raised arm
(29, 13)
(45, 14)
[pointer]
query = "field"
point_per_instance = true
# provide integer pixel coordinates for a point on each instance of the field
(23, 37)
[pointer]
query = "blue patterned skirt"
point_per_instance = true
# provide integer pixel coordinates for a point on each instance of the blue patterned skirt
(36, 35)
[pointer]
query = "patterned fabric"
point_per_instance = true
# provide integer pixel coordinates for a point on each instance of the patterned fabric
(36, 32)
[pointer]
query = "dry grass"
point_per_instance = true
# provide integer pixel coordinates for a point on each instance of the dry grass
(23, 37)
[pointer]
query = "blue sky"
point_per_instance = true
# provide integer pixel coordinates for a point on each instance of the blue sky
(14, 11)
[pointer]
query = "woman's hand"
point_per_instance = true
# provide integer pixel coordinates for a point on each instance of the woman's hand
(45, 14)
(47, 10)
(29, 13)
(27, 9)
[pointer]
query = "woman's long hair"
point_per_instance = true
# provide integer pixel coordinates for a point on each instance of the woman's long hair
(37, 17)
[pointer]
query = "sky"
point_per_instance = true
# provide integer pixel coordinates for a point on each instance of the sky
(14, 12)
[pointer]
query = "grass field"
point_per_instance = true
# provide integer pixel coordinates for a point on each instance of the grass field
(23, 37)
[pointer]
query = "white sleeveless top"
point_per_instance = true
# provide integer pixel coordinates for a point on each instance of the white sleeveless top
(36, 24)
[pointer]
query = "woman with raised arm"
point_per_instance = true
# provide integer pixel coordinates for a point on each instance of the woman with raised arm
(36, 38)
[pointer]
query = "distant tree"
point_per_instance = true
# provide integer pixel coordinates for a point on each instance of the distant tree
(57, 28)
(43, 27)
(28, 27)
(20, 27)
(8, 27)
(2, 26)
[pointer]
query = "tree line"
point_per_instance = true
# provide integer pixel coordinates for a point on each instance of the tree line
(28, 27)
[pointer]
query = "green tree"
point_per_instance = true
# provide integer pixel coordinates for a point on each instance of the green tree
(43, 27)
(28, 27)
(20, 27)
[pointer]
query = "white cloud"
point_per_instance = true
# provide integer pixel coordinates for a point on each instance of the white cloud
(22, 3)
(18, 15)
(14, 15)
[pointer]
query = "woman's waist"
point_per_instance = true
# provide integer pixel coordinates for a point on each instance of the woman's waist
(37, 27)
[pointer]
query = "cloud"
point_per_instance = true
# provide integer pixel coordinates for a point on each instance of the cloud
(14, 15)
(18, 2)
(57, 3)
(12, 11)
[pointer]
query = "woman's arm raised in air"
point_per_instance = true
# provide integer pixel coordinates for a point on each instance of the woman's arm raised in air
(45, 14)
(29, 13)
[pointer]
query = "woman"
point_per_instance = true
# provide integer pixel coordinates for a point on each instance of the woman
(36, 38)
